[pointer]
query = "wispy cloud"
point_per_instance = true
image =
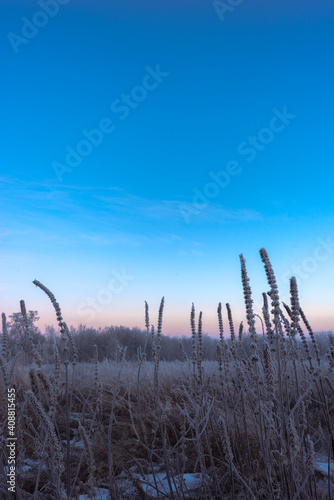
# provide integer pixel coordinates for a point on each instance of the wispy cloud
(43, 217)
(96, 203)
(191, 253)
(170, 209)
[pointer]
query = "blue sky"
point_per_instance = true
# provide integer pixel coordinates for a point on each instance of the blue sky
(246, 99)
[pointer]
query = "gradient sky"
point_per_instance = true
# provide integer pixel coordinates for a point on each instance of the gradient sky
(122, 209)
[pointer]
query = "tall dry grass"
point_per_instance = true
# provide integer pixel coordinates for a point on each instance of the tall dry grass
(253, 424)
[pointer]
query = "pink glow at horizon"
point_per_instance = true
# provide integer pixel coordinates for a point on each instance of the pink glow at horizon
(174, 324)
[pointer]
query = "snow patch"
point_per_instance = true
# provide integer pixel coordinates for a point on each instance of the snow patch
(189, 482)
(97, 493)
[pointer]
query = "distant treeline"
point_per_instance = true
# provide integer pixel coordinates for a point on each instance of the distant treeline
(110, 342)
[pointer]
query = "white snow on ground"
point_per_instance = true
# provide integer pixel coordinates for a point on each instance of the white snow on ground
(98, 494)
(190, 483)
(127, 489)
(29, 466)
(321, 465)
(75, 444)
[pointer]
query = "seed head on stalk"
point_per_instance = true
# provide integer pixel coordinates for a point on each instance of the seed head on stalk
(273, 290)
(249, 307)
